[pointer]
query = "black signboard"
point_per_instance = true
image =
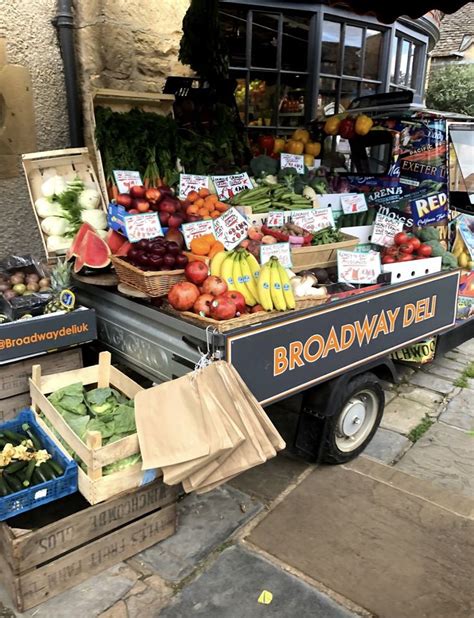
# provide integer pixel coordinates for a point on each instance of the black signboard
(288, 356)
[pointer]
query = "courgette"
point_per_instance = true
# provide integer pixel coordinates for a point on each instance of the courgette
(32, 436)
(29, 473)
(15, 467)
(12, 436)
(4, 488)
(47, 472)
(12, 482)
(58, 470)
(38, 476)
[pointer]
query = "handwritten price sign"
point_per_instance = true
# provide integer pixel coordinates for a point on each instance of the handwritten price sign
(228, 186)
(385, 228)
(143, 226)
(281, 250)
(291, 160)
(126, 179)
(353, 202)
(313, 220)
(231, 228)
(276, 219)
(191, 182)
(196, 229)
(358, 267)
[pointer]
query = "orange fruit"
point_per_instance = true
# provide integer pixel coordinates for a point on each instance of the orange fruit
(217, 247)
(211, 199)
(221, 207)
(210, 238)
(199, 202)
(192, 210)
(215, 214)
(206, 217)
(204, 192)
(192, 196)
(203, 212)
(200, 246)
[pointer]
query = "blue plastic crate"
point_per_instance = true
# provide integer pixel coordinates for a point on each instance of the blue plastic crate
(40, 494)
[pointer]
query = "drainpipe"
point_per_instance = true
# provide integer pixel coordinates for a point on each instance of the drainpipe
(64, 24)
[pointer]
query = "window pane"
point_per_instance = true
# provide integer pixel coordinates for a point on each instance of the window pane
(292, 100)
(264, 39)
(349, 91)
(352, 50)
(234, 27)
(326, 97)
(263, 98)
(373, 44)
(404, 63)
(294, 53)
(368, 89)
(239, 93)
(330, 48)
(393, 59)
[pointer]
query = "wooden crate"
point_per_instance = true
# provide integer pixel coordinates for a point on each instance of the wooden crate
(70, 161)
(92, 484)
(321, 256)
(65, 543)
(14, 386)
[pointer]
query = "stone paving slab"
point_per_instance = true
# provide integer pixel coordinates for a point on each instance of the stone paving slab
(230, 588)
(403, 415)
(444, 456)
(467, 348)
(432, 382)
(460, 412)
(266, 482)
(387, 446)
(428, 398)
(457, 364)
(204, 523)
(88, 599)
(389, 396)
(439, 371)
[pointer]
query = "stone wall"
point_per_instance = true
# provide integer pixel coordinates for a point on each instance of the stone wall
(32, 43)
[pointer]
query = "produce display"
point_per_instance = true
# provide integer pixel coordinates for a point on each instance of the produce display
(23, 461)
(101, 409)
(158, 254)
(425, 244)
(326, 236)
(366, 217)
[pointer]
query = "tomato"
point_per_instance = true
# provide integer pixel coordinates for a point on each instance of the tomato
(414, 242)
(388, 259)
(405, 257)
(425, 250)
(392, 251)
(406, 248)
(401, 238)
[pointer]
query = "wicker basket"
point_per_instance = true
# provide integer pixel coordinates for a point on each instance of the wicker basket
(150, 282)
(321, 256)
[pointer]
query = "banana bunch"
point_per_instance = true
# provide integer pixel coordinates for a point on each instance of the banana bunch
(268, 286)
(461, 253)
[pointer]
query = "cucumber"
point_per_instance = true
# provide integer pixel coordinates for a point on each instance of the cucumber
(15, 467)
(57, 468)
(4, 488)
(14, 483)
(12, 436)
(32, 436)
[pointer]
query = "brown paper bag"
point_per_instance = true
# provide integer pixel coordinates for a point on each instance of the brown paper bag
(170, 423)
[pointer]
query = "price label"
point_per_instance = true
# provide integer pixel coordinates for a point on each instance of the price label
(313, 220)
(358, 267)
(146, 225)
(126, 179)
(385, 228)
(353, 202)
(196, 229)
(276, 219)
(228, 186)
(281, 250)
(191, 182)
(231, 228)
(291, 160)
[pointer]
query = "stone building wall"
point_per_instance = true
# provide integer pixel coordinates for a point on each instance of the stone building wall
(31, 42)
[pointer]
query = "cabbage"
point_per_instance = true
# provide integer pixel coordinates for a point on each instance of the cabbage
(46, 208)
(89, 199)
(55, 185)
(96, 218)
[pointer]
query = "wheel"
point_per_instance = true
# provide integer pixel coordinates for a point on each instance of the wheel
(358, 412)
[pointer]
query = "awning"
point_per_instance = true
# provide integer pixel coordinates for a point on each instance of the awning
(389, 12)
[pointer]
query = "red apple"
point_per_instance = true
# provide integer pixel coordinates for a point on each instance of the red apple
(175, 221)
(141, 205)
(138, 191)
(237, 298)
(196, 272)
(223, 309)
(183, 295)
(203, 305)
(153, 195)
(167, 205)
(125, 200)
(164, 218)
(214, 285)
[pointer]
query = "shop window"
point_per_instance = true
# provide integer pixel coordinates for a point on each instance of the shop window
(331, 41)
(294, 48)
(352, 50)
(373, 48)
(368, 155)
(234, 24)
(406, 64)
(265, 36)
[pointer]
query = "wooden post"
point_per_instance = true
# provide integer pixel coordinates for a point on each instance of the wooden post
(36, 378)
(104, 369)
(94, 441)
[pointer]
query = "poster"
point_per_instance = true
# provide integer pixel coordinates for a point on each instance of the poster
(191, 182)
(353, 202)
(228, 186)
(313, 220)
(292, 160)
(196, 229)
(230, 228)
(138, 227)
(126, 179)
(430, 210)
(358, 267)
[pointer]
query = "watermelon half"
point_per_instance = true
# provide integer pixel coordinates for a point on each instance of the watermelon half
(73, 250)
(92, 254)
(115, 241)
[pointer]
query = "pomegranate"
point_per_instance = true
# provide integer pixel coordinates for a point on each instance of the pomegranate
(214, 285)
(183, 295)
(223, 309)
(237, 298)
(203, 305)
(196, 272)
(137, 192)
(256, 309)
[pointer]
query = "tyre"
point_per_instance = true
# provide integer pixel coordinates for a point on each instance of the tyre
(358, 410)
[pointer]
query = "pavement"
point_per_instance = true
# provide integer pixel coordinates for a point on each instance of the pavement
(388, 535)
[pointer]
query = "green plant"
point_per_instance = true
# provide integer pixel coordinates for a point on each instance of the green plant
(460, 382)
(451, 89)
(416, 433)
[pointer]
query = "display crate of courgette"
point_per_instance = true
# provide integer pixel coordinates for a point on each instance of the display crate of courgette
(25, 481)
(94, 485)
(45, 552)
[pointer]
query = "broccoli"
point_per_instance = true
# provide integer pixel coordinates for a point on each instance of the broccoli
(438, 249)
(449, 260)
(263, 166)
(428, 233)
(288, 177)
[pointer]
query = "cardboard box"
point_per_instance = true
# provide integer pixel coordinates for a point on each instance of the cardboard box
(46, 333)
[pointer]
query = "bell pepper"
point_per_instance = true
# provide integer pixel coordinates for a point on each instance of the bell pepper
(331, 126)
(301, 135)
(279, 145)
(309, 160)
(347, 128)
(312, 148)
(266, 144)
(363, 124)
(295, 147)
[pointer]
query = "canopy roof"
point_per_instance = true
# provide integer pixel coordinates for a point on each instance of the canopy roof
(388, 12)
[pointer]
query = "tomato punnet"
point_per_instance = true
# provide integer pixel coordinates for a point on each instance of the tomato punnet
(401, 238)
(406, 248)
(388, 259)
(425, 250)
(414, 242)
(405, 257)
